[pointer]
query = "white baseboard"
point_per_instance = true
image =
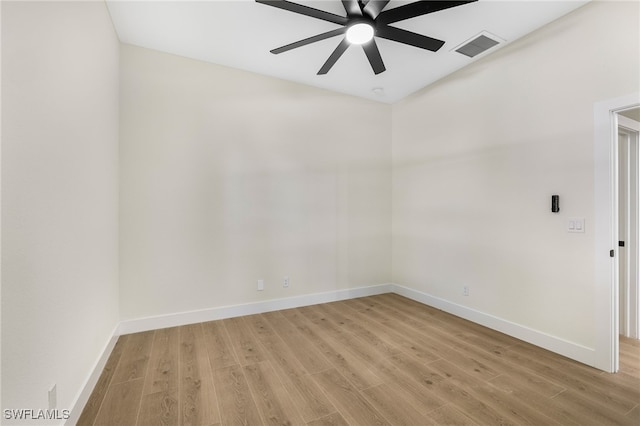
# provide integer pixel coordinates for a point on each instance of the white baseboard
(563, 347)
(212, 314)
(91, 381)
(555, 344)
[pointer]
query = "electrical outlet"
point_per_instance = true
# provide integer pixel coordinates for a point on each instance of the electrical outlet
(285, 282)
(53, 397)
(260, 285)
(465, 290)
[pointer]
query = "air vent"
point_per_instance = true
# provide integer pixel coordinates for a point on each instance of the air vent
(478, 44)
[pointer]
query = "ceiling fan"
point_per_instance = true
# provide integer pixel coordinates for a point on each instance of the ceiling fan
(366, 20)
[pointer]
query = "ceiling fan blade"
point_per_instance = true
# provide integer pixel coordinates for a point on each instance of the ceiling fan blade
(373, 54)
(374, 7)
(305, 10)
(408, 37)
(417, 8)
(342, 47)
(352, 7)
(309, 40)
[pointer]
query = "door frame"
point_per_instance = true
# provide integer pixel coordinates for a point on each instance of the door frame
(606, 228)
(629, 314)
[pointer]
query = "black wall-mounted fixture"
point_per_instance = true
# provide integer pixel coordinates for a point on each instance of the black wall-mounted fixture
(555, 203)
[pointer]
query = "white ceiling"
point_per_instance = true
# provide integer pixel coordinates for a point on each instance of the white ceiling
(240, 34)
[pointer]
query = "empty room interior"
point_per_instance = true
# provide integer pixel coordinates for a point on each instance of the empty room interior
(239, 212)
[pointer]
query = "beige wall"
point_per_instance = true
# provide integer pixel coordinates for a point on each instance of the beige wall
(228, 177)
(59, 198)
(477, 156)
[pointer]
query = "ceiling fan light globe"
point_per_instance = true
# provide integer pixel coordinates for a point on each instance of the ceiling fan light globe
(360, 33)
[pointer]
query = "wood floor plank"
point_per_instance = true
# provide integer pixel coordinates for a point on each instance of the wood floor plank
(432, 317)
(625, 382)
(463, 397)
(470, 405)
(450, 331)
(629, 346)
(582, 371)
(134, 358)
(351, 404)
(354, 343)
(589, 412)
(271, 397)
(423, 390)
(634, 415)
(219, 348)
(160, 409)
(383, 367)
(237, 406)
(370, 335)
(439, 345)
(522, 390)
(415, 369)
(92, 406)
(308, 355)
(572, 376)
(436, 338)
(364, 350)
(391, 333)
(628, 341)
(472, 360)
(121, 404)
(244, 344)
(389, 401)
(495, 365)
(448, 415)
(343, 360)
(198, 399)
(515, 410)
(163, 361)
(629, 367)
(520, 410)
(629, 361)
(334, 419)
(525, 381)
(470, 357)
(360, 304)
(307, 396)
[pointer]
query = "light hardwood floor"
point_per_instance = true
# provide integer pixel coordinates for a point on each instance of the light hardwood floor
(372, 361)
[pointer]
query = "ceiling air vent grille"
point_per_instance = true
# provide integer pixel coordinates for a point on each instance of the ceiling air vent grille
(478, 44)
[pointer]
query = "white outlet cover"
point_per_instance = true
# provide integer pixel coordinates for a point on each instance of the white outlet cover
(260, 285)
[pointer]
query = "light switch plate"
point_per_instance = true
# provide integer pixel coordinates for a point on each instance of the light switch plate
(575, 224)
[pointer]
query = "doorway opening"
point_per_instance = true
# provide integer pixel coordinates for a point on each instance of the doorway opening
(628, 254)
(607, 324)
